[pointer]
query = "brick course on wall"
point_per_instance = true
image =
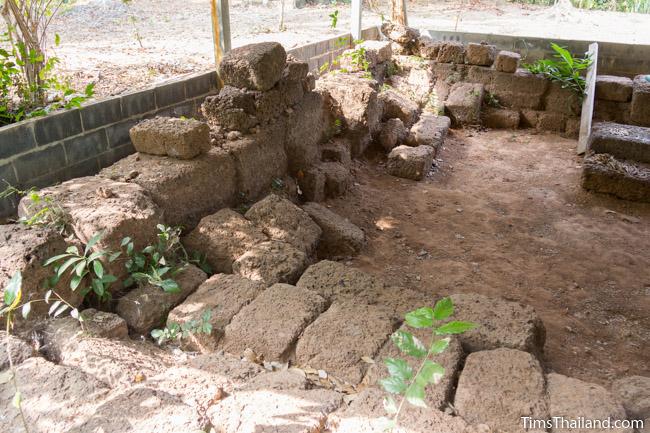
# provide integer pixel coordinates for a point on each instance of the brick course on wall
(79, 142)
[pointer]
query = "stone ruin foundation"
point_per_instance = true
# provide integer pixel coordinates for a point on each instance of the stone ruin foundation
(298, 338)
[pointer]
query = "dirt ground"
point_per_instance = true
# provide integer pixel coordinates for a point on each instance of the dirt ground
(123, 46)
(505, 216)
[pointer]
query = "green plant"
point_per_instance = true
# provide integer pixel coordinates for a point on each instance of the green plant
(11, 303)
(391, 69)
(174, 331)
(432, 104)
(133, 20)
(158, 264)
(337, 128)
(358, 59)
(566, 69)
(44, 210)
(492, 101)
(29, 86)
(411, 383)
(277, 184)
(334, 18)
(86, 272)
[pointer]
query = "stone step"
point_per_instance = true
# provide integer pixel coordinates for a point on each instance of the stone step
(224, 295)
(626, 180)
(621, 141)
(271, 324)
(438, 395)
(499, 387)
(366, 414)
(500, 323)
(283, 221)
(339, 236)
(430, 130)
(338, 340)
(277, 402)
(410, 162)
(573, 399)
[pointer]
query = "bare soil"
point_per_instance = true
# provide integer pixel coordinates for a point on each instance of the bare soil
(504, 215)
(125, 46)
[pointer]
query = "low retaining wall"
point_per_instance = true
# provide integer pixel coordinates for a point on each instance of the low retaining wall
(80, 142)
(613, 59)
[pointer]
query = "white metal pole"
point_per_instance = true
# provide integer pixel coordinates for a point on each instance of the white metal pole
(356, 19)
(224, 15)
(588, 102)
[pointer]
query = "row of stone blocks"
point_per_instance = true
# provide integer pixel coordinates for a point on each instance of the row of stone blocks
(619, 161)
(517, 97)
(333, 319)
(408, 41)
(623, 100)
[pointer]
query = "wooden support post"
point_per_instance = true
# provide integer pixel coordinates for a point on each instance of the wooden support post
(398, 12)
(357, 6)
(220, 12)
(587, 112)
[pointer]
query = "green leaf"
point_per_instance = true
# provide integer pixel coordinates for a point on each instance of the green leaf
(108, 279)
(125, 241)
(408, 344)
(390, 405)
(27, 307)
(415, 395)
(66, 265)
(12, 291)
(439, 346)
(93, 240)
(80, 268)
(443, 309)
(170, 286)
(162, 271)
(431, 372)
(51, 260)
(95, 255)
(89, 91)
(420, 318)
(75, 281)
(60, 310)
(98, 268)
(112, 257)
(98, 287)
(17, 400)
(399, 368)
(57, 39)
(53, 307)
(393, 384)
(455, 327)
(72, 249)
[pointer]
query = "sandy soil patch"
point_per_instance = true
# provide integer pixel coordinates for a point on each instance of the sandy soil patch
(506, 216)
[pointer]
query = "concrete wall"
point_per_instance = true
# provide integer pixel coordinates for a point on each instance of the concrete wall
(613, 59)
(79, 142)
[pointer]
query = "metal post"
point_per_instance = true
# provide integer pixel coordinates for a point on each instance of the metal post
(356, 19)
(587, 112)
(220, 28)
